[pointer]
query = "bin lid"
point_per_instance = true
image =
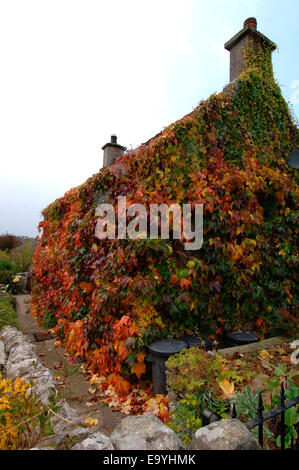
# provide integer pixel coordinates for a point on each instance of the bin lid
(167, 347)
(242, 337)
(200, 342)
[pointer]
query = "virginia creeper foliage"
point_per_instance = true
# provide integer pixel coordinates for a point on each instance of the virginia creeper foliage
(109, 299)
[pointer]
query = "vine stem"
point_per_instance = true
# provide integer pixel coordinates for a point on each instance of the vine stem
(56, 414)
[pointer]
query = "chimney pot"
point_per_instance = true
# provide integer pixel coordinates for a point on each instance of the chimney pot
(250, 22)
(112, 151)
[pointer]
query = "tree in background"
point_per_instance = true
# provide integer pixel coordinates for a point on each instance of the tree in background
(8, 242)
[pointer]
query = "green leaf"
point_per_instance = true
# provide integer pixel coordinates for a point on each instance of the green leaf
(280, 370)
(291, 416)
(48, 430)
(3, 420)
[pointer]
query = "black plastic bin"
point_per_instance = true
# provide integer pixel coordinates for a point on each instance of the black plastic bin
(159, 353)
(201, 342)
(239, 338)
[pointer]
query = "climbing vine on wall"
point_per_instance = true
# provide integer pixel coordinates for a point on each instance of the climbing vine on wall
(109, 299)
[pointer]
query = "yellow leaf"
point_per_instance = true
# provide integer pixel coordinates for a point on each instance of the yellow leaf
(91, 421)
(227, 387)
(264, 353)
(95, 379)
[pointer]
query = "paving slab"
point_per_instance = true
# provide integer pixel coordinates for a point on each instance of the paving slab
(253, 347)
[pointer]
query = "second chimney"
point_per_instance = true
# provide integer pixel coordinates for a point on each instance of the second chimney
(241, 40)
(112, 150)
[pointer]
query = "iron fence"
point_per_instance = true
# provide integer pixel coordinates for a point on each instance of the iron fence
(261, 418)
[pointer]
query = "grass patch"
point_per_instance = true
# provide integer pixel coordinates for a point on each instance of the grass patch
(8, 314)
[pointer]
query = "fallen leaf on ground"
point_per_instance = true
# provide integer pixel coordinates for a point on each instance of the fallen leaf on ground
(79, 398)
(91, 421)
(264, 353)
(91, 403)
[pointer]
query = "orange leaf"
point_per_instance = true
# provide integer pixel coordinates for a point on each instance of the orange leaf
(185, 283)
(138, 369)
(140, 357)
(86, 286)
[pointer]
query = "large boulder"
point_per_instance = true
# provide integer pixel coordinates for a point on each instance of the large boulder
(67, 427)
(95, 441)
(144, 432)
(226, 434)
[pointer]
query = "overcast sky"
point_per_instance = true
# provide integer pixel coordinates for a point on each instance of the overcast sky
(73, 72)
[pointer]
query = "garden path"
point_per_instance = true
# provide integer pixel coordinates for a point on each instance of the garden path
(76, 389)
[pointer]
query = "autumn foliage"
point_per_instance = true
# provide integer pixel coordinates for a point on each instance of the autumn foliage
(109, 299)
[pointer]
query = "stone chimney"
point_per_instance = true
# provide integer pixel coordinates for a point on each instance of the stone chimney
(112, 150)
(241, 40)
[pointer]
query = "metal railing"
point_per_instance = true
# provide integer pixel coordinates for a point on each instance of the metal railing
(208, 416)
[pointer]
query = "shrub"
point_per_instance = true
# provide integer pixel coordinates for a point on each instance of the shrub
(7, 268)
(23, 418)
(8, 242)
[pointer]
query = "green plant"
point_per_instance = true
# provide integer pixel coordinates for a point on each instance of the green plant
(65, 371)
(69, 371)
(292, 414)
(7, 268)
(49, 320)
(6, 265)
(192, 367)
(270, 386)
(186, 418)
(246, 402)
(8, 314)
